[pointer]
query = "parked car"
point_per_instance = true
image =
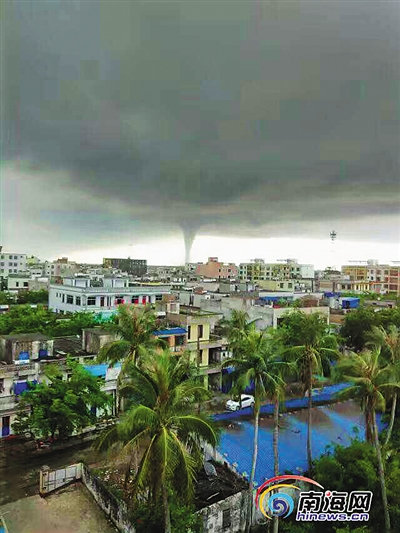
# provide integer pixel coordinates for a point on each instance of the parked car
(247, 401)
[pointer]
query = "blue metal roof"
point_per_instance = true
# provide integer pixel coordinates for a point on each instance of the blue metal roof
(170, 331)
(350, 299)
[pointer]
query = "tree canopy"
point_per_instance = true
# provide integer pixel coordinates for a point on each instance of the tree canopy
(358, 324)
(60, 407)
(25, 319)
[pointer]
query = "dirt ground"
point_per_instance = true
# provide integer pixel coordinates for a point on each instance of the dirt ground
(72, 510)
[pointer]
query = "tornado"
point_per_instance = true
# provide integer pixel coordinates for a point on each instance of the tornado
(189, 234)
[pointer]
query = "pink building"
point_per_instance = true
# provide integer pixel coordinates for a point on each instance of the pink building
(217, 270)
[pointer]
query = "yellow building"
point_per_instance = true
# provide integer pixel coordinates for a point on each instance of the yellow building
(272, 285)
(356, 272)
(205, 349)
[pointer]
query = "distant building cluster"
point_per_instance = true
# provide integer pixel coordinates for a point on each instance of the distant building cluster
(189, 301)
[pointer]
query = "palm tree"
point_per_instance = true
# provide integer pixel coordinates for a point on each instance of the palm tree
(370, 380)
(257, 365)
(308, 343)
(390, 339)
(134, 331)
(163, 425)
(235, 327)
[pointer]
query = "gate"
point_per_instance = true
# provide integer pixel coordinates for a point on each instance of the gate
(53, 479)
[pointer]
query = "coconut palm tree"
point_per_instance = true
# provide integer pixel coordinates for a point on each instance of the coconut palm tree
(235, 327)
(133, 329)
(162, 423)
(260, 367)
(369, 383)
(308, 344)
(391, 340)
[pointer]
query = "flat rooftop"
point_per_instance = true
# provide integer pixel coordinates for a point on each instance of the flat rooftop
(72, 509)
(26, 337)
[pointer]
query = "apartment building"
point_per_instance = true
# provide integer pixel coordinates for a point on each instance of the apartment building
(216, 270)
(60, 268)
(23, 360)
(207, 350)
(11, 263)
(18, 282)
(258, 270)
(134, 267)
(81, 294)
(375, 277)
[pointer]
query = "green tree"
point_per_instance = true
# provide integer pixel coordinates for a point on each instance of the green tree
(391, 340)
(72, 324)
(259, 366)
(358, 324)
(163, 425)
(24, 319)
(60, 407)
(307, 343)
(33, 297)
(369, 383)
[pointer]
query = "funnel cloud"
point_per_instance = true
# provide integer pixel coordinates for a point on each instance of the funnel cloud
(123, 121)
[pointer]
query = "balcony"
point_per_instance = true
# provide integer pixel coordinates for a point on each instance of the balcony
(24, 369)
(8, 403)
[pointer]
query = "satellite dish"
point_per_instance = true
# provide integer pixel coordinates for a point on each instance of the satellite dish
(210, 469)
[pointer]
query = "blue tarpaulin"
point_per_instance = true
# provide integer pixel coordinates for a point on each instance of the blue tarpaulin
(350, 303)
(23, 356)
(97, 370)
(170, 331)
(327, 394)
(22, 386)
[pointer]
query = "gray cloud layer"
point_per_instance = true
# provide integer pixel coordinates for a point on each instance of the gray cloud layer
(252, 117)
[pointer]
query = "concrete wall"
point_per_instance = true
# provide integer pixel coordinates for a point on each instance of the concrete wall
(228, 515)
(115, 509)
(93, 340)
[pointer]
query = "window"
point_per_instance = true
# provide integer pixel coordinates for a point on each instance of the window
(189, 331)
(102, 298)
(159, 297)
(25, 284)
(135, 300)
(200, 331)
(91, 300)
(70, 299)
(63, 298)
(226, 518)
(77, 300)
(17, 283)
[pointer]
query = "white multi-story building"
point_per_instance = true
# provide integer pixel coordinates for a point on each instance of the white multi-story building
(11, 263)
(78, 294)
(17, 282)
(60, 268)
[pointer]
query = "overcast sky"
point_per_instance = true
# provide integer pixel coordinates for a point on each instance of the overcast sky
(256, 127)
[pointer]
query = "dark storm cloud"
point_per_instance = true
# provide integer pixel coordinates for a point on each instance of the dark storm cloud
(216, 115)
